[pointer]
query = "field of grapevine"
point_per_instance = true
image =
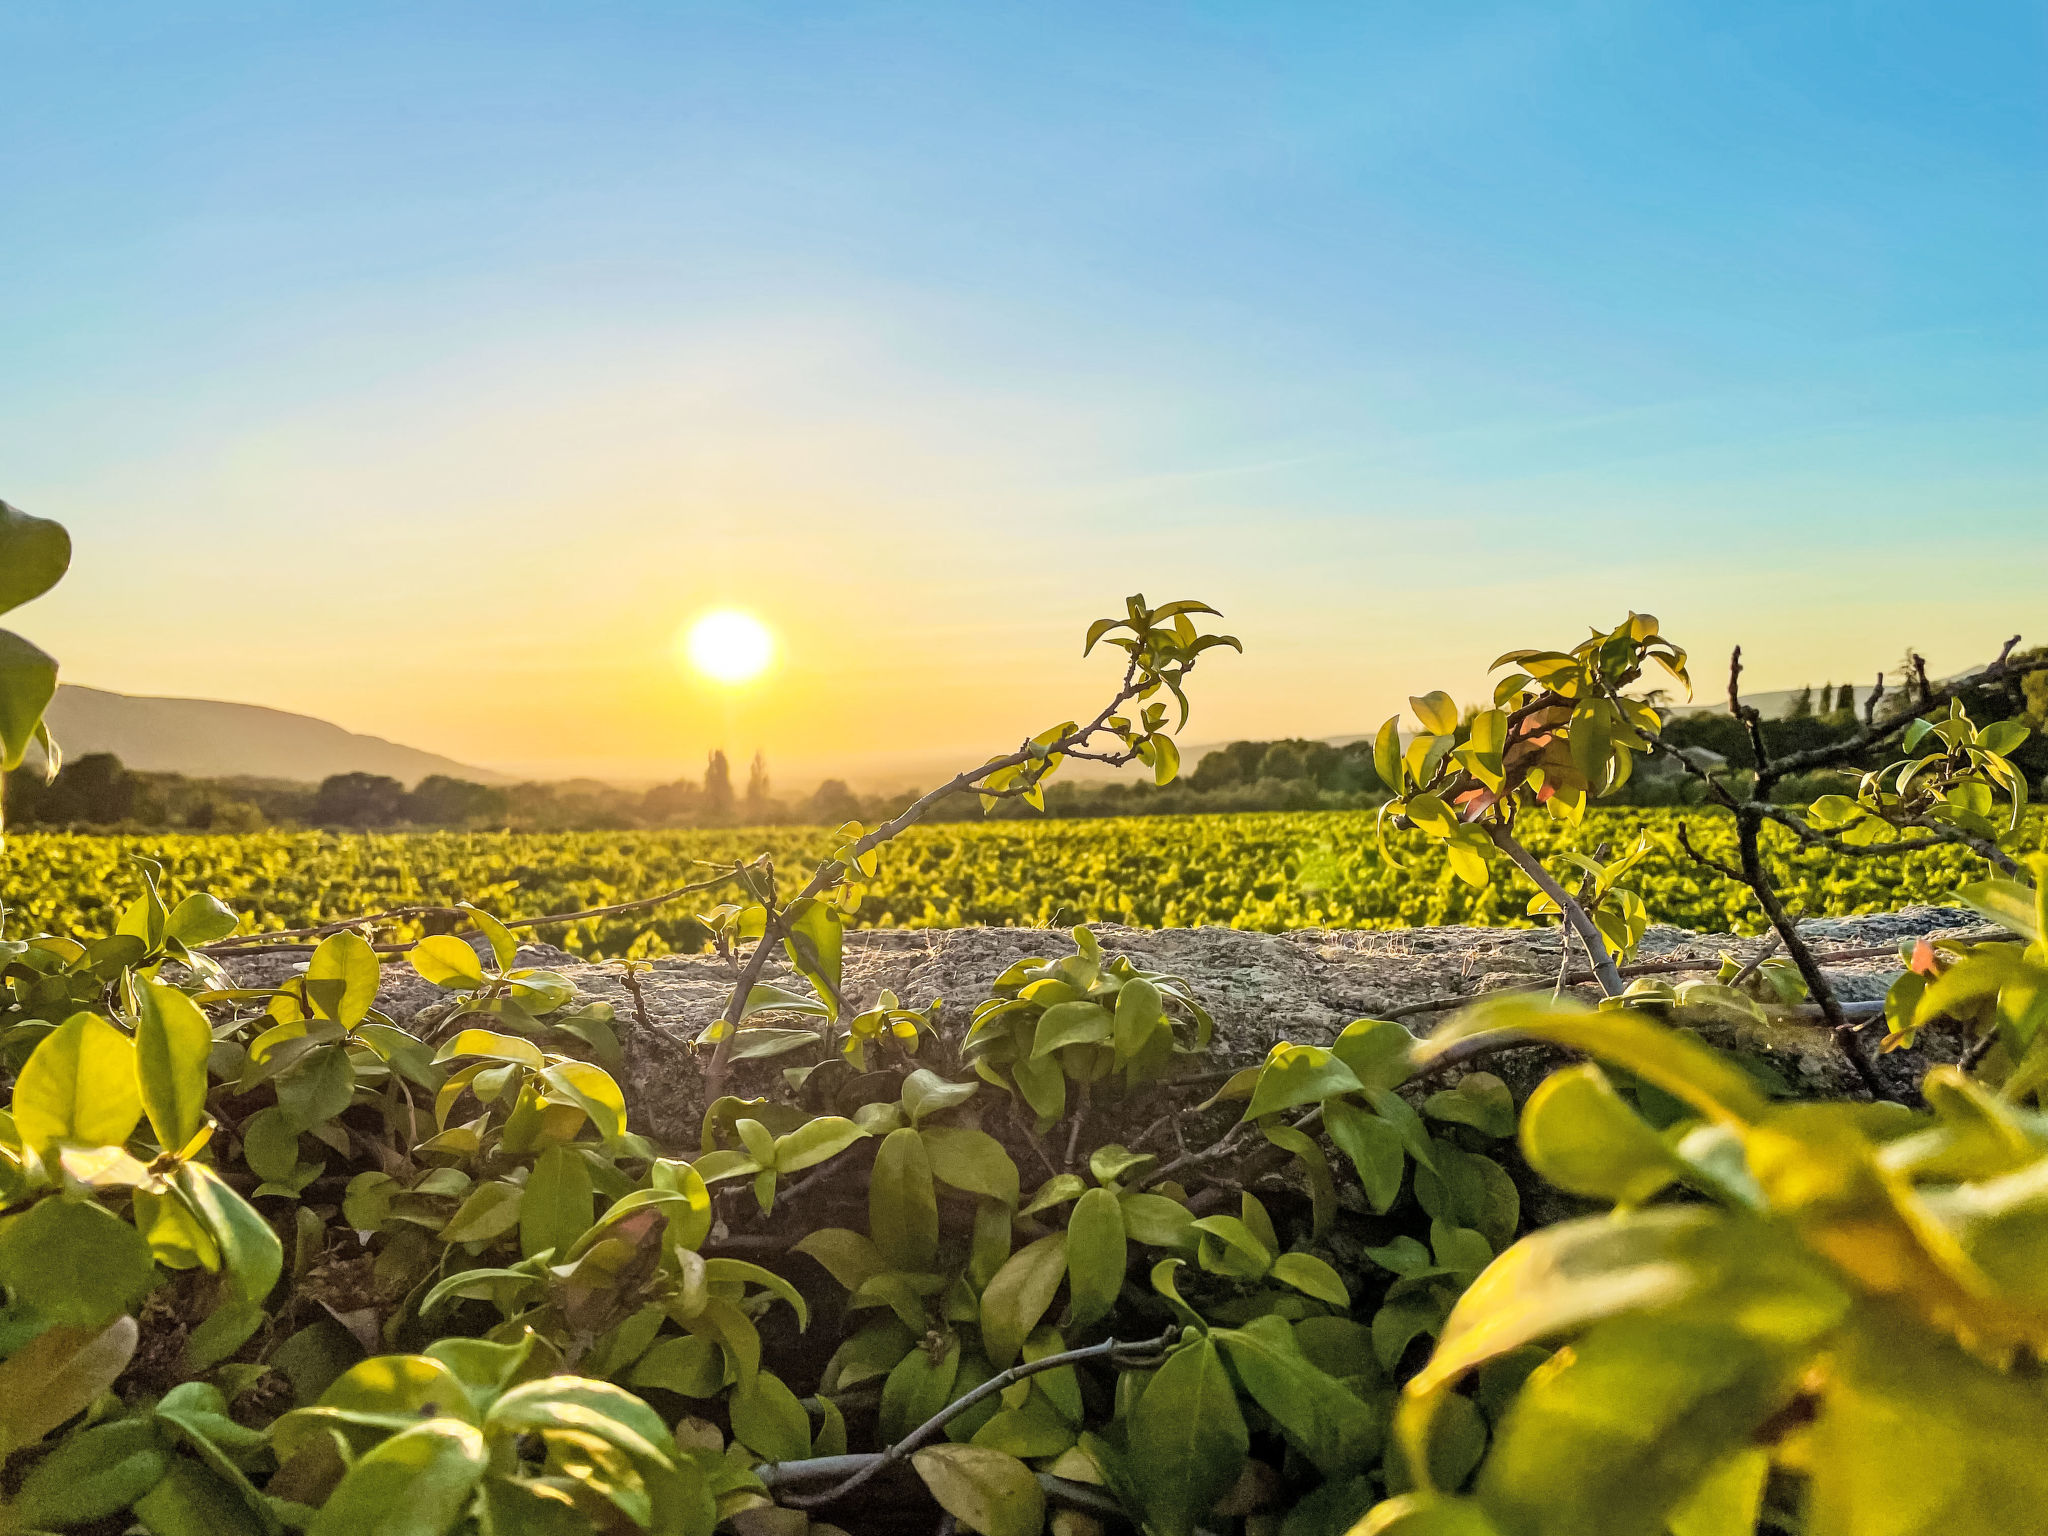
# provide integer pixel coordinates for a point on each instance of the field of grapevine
(1259, 871)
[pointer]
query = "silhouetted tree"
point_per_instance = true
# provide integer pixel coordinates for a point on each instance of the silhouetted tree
(441, 801)
(670, 804)
(758, 805)
(94, 789)
(359, 800)
(831, 803)
(717, 788)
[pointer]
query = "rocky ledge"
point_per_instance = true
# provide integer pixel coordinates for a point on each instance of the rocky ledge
(1261, 988)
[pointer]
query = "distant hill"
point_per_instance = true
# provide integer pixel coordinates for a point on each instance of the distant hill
(206, 739)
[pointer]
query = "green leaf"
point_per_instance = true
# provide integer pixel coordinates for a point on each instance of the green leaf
(448, 962)
(250, 1253)
(74, 1263)
(1581, 1136)
(1683, 1068)
(2014, 907)
(78, 1085)
(812, 937)
(591, 1089)
(690, 1223)
(1299, 1074)
(1018, 1295)
(1187, 1439)
(57, 1374)
(1377, 1051)
(196, 1499)
(200, 919)
(1728, 1501)
(1044, 1087)
(848, 1257)
(554, 1211)
(341, 979)
(1229, 1247)
(1076, 1023)
(1057, 1190)
(927, 1093)
(692, 1366)
(1158, 1222)
(973, 1161)
(1374, 1146)
(1386, 755)
(1312, 1277)
(1618, 1432)
(769, 1420)
(918, 1387)
(28, 681)
(172, 1043)
(1426, 1514)
(903, 1207)
(1975, 1467)
(1140, 1014)
(317, 1087)
(95, 1473)
(34, 555)
(1329, 1425)
(504, 947)
(1480, 1100)
(814, 1141)
(984, 1490)
(1095, 1256)
(491, 1211)
(1436, 712)
(417, 1483)
(492, 1046)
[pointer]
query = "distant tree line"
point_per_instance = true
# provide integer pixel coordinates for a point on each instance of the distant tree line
(96, 790)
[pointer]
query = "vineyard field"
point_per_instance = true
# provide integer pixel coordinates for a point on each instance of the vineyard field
(1262, 871)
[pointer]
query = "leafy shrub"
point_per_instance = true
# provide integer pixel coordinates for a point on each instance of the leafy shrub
(272, 1261)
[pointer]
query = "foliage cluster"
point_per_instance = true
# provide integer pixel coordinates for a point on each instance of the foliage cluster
(1267, 872)
(273, 1262)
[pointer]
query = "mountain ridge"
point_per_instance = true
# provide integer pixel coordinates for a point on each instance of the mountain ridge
(213, 739)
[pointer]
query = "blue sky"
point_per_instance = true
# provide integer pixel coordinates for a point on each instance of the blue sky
(424, 367)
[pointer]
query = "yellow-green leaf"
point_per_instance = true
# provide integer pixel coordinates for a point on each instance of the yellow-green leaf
(447, 962)
(172, 1042)
(985, 1490)
(1095, 1256)
(79, 1084)
(1017, 1296)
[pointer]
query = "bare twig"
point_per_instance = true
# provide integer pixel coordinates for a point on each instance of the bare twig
(1757, 878)
(1755, 962)
(632, 981)
(1146, 1352)
(1080, 1119)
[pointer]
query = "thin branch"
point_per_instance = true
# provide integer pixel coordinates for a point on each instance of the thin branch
(1755, 962)
(774, 929)
(1116, 1352)
(1752, 722)
(1587, 930)
(1754, 875)
(1875, 733)
(632, 981)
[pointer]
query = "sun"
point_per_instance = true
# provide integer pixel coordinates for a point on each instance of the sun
(729, 646)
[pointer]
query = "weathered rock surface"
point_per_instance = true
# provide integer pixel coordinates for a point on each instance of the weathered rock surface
(1261, 988)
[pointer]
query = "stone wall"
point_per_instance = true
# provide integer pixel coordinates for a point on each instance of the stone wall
(1261, 988)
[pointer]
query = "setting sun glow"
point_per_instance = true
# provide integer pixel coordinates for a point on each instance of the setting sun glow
(729, 646)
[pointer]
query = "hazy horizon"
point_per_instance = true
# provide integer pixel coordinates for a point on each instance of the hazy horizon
(423, 372)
